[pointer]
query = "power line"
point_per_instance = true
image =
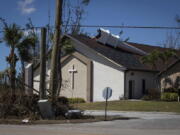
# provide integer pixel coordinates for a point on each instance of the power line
(112, 26)
(129, 27)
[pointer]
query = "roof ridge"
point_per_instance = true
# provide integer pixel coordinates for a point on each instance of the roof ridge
(147, 45)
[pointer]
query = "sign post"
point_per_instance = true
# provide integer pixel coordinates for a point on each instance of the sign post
(107, 93)
(178, 95)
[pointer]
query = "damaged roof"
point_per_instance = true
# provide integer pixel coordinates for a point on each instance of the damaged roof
(126, 58)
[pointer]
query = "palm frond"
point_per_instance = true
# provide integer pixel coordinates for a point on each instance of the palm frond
(25, 48)
(85, 2)
(12, 35)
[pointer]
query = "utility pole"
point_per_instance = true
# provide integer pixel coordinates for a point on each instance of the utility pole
(56, 51)
(43, 64)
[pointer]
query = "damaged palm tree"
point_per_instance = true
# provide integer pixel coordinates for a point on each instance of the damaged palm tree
(20, 46)
(55, 77)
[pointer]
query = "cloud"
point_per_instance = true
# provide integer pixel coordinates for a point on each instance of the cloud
(26, 6)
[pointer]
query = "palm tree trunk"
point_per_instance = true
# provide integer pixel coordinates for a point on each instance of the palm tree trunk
(12, 70)
(23, 75)
(55, 52)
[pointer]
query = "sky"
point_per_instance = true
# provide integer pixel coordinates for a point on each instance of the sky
(99, 12)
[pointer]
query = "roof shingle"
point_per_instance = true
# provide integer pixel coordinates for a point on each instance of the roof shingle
(127, 59)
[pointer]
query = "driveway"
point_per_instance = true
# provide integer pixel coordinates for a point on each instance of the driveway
(147, 124)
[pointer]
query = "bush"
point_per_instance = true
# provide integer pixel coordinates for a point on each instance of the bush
(61, 109)
(76, 100)
(170, 90)
(63, 100)
(153, 94)
(169, 96)
(147, 97)
(18, 105)
(178, 91)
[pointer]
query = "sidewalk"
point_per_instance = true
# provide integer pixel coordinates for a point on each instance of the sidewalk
(141, 115)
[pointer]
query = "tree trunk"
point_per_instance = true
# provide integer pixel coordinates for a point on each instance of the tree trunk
(12, 70)
(23, 76)
(56, 51)
(42, 87)
(59, 73)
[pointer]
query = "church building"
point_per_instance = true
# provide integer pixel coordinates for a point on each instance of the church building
(100, 62)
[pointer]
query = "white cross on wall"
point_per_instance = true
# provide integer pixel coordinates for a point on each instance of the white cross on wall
(72, 72)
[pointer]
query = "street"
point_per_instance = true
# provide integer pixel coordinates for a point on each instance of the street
(156, 124)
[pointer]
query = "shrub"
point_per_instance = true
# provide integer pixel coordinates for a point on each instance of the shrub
(76, 100)
(147, 97)
(153, 94)
(174, 96)
(18, 105)
(170, 90)
(178, 91)
(169, 96)
(61, 109)
(63, 100)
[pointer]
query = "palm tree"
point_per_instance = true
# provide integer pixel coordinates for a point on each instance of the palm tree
(151, 59)
(25, 52)
(19, 45)
(12, 35)
(165, 56)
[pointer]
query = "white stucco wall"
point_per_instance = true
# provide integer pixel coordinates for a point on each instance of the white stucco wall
(80, 79)
(104, 76)
(36, 78)
(28, 78)
(137, 77)
(106, 73)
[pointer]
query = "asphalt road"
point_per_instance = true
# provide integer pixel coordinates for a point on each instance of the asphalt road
(147, 124)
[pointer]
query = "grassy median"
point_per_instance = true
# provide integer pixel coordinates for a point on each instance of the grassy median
(147, 106)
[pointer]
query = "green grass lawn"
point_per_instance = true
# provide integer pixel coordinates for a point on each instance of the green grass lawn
(154, 106)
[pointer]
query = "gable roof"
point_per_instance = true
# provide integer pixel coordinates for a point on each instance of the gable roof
(169, 67)
(149, 49)
(124, 57)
